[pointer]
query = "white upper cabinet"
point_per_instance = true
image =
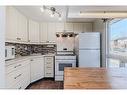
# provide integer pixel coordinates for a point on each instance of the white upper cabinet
(52, 32)
(11, 24)
(16, 25)
(87, 27)
(33, 31)
(47, 32)
(59, 27)
(78, 27)
(43, 32)
(68, 27)
(22, 28)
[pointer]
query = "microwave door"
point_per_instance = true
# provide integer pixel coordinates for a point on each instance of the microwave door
(9, 52)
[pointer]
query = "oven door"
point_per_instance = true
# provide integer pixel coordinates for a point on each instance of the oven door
(60, 64)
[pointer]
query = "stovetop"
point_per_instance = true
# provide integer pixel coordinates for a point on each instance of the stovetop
(65, 54)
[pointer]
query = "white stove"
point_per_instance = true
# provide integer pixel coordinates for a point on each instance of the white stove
(65, 56)
(61, 61)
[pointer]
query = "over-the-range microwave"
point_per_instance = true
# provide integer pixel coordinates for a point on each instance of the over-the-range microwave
(9, 52)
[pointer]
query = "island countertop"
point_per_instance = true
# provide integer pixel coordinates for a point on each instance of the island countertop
(95, 78)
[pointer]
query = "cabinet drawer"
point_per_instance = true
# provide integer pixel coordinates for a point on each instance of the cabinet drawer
(15, 86)
(16, 66)
(15, 76)
(22, 84)
(48, 59)
(48, 64)
(49, 70)
(49, 74)
(48, 67)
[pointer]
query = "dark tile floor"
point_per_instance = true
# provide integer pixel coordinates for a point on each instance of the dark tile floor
(46, 84)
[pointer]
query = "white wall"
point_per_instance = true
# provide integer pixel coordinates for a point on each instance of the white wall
(65, 42)
(100, 26)
(2, 46)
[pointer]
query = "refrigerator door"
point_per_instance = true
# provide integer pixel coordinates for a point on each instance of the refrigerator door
(89, 58)
(89, 40)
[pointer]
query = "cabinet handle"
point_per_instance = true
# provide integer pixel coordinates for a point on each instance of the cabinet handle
(28, 40)
(49, 58)
(49, 67)
(18, 38)
(17, 66)
(48, 73)
(31, 60)
(17, 76)
(48, 63)
(20, 87)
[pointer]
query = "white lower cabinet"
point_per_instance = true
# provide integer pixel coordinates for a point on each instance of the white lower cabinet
(49, 66)
(37, 68)
(20, 73)
(18, 78)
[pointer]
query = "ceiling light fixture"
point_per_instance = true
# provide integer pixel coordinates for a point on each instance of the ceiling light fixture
(53, 11)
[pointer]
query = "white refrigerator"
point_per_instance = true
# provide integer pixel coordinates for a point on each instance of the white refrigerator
(89, 49)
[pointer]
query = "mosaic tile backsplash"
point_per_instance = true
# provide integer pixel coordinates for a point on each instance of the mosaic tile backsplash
(27, 49)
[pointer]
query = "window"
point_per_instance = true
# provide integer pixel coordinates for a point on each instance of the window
(117, 43)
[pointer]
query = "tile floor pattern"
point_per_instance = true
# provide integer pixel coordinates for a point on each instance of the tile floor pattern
(46, 84)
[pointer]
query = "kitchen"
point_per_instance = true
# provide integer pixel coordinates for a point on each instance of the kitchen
(43, 43)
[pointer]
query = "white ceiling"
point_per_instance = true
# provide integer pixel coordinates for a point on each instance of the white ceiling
(35, 13)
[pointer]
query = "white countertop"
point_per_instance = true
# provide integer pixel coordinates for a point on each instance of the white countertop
(21, 58)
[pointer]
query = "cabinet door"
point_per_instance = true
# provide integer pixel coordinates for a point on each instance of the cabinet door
(43, 32)
(22, 28)
(87, 27)
(51, 32)
(68, 27)
(33, 31)
(11, 24)
(37, 69)
(78, 27)
(59, 27)
(26, 80)
(49, 66)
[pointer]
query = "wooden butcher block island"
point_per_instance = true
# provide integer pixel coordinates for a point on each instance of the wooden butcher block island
(95, 78)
